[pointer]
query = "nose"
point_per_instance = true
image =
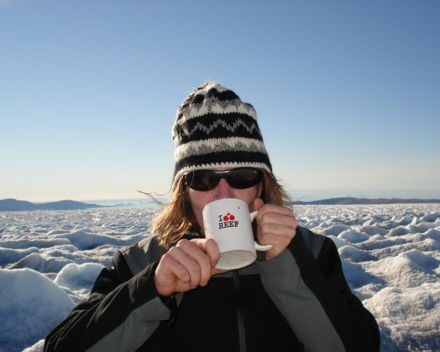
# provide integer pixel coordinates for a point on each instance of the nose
(223, 190)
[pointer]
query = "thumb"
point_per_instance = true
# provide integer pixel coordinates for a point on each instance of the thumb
(257, 204)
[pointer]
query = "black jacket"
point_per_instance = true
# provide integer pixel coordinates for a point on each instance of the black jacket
(298, 301)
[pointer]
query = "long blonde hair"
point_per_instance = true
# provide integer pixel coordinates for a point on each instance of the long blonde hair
(177, 217)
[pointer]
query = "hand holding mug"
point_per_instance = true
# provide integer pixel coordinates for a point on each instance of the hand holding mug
(275, 225)
(186, 266)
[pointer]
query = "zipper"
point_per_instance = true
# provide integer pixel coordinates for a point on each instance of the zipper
(240, 318)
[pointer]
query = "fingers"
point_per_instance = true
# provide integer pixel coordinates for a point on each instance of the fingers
(276, 219)
(277, 226)
(192, 257)
(270, 214)
(186, 266)
(209, 246)
(257, 204)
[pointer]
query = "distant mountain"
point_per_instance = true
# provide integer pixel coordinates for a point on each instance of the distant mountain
(22, 205)
(352, 200)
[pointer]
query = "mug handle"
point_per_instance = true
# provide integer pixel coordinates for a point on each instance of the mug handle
(259, 247)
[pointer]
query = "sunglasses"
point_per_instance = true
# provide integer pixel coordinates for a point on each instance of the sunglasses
(239, 178)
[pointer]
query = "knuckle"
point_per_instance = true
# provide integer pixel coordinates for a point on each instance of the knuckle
(192, 266)
(183, 242)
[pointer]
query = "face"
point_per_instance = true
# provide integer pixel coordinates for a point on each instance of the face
(199, 199)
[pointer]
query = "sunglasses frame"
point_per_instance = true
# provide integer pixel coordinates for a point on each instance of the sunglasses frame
(188, 178)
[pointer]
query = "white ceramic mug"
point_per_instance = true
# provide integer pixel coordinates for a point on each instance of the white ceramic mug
(229, 223)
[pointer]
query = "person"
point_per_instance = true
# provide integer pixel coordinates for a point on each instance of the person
(165, 294)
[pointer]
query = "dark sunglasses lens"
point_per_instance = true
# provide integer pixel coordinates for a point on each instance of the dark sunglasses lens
(206, 180)
(244, 178)
(202, 180)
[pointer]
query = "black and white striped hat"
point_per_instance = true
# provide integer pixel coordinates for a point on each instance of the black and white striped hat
(215, 129)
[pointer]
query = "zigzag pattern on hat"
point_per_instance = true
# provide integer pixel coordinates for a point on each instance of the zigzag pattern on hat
(214, 106)
(218, 123)
(233, 144)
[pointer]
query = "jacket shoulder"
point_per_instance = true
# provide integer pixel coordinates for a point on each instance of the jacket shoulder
(312, 240)
(143, 253)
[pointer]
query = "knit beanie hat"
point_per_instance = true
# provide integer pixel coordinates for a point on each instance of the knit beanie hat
(215, 129)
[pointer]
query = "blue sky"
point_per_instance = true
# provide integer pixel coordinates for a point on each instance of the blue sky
(347, 92)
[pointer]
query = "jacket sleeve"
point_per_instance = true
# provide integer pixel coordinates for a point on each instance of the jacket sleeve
(120, 314)
(313, 295)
